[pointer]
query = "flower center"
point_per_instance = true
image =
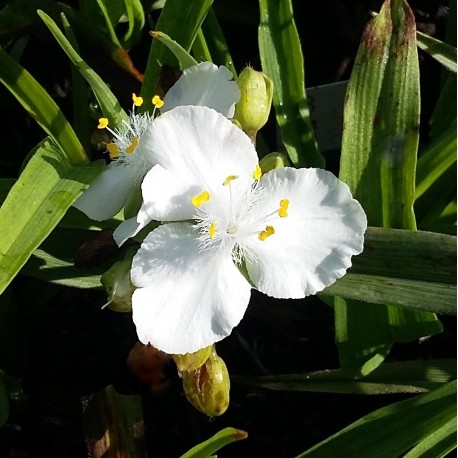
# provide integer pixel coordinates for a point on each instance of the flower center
(231, 217)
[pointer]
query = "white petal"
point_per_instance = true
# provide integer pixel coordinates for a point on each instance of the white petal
(312, 247)
(108, 193)
(127, 229)
(204, 84)
(186, 299)
(198, 148)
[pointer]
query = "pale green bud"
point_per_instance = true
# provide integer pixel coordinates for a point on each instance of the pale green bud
(207, 388)
(273, 161)
(192, 361)
(116, 281)
(253, 108)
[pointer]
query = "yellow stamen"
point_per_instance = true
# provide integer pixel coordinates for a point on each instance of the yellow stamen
(229, 179)
(157, 102)
(138, 101)
(266, 233)
(133, 144)
(212, 229)
(283, 210)
(200, 199)
(103, 122)
(257, 173)
(113, 150)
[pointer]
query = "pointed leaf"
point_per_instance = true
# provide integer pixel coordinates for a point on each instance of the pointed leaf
(36, 203)
(282, 62)
(444, 53)
(184, 58)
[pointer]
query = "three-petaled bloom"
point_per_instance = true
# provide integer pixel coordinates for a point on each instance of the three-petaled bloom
(293, 230)
(202, 84)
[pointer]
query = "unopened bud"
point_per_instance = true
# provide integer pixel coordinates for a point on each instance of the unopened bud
(273, 161)
(252, 111)
(207, 388)
(116, 281)
(192, 361)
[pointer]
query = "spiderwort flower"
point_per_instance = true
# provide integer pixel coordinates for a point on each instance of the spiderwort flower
(293, 230)
(202, 84)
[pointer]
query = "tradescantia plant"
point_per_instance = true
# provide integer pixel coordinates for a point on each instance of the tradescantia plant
(203, 212)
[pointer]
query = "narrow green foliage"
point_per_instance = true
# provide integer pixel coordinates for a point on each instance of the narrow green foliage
(216, 442)
(424, 421)
(47, 187)
(181, 20)
(184, 58)
(389, 378)
(39, 104)
(108, 102)
(442, 52)
(282, 62)
(379, 151)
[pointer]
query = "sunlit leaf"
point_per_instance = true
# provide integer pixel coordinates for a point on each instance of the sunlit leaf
(39, 104)
(392, 431)
(442, 52)
(184, 58)
(47, 187)
(212, 445)
(379, 151)
(282, 62)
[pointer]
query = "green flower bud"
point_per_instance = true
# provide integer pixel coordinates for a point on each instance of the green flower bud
(192, 361)
(273, 161)
(252, 111)
(116, 281)
(207, 388)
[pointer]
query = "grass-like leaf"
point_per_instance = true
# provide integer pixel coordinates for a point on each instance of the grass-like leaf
(389, 378)
(282, 62)
(47, 187)
(108, 102)
(39, 104)
(216, 442)
(379, 151)
(184, 58)
(392, 431)
(442, 52)
(181, 21)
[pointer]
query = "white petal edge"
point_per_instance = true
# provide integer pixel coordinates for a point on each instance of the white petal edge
(186, 299)
(108, 193)
(198, 149)
(312, 247)
(204, 84)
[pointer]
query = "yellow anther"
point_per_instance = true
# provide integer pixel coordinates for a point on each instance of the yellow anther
(113, 150)
(157, 102)
(138, 101)
(257, 173)
(133, 145)
(266, 233)
(212, 229)
(229, 179)
(283, 210)
(103, 122)
(200, 199)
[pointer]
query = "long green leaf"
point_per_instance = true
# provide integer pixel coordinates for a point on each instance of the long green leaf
(212, 445)
(184, 58)
(379, 150)
(47, 187)
(389, 378)
(181, 21)
(108, 102)
(391, 431)
(39, 104)
(282, 62)
(442, 52)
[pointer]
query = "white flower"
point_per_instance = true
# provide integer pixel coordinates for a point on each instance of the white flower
(202, 84)
(294, 230)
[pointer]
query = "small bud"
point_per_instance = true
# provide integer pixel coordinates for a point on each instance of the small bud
(192, 361)
(116, 281)
(207, 388)
(252, 111)
(273, 161)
